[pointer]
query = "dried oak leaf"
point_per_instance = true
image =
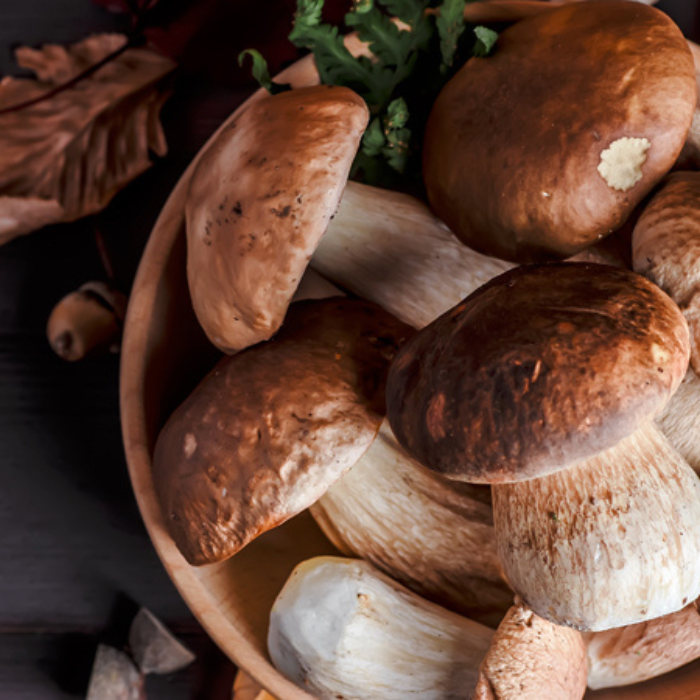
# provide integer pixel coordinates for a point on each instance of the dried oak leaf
(67, 156)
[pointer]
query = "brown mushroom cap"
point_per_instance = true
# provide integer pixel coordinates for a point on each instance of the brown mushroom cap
(269, 429)
(523, 148)
(259, 201)
(538, 369)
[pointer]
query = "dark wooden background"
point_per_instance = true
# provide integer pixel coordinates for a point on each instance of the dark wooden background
(74, 557)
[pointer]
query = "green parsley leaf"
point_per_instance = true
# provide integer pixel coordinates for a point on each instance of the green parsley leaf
(450, 25)
(486, 38)
(397, 134)
(361, 6)
(261, 73)
(373, 140)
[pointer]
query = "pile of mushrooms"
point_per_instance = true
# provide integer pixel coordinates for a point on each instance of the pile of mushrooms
(521, 479)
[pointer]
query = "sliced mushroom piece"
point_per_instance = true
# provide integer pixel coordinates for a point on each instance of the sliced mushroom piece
(340, 628)
(560, 177)
(483, 397)
(432, 535)
(531, 658)
(636, 653)
(269, 429)
(259, 200)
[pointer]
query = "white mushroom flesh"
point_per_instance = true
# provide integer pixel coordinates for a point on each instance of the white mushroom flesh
(339, 628)
(636, 653)
(432, 535)
(680, 420)
(612, 541)
(388, 247)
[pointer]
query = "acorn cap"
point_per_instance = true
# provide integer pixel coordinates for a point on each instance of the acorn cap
(541, 368)
(259, 201)
(269, 429)
(547, 145)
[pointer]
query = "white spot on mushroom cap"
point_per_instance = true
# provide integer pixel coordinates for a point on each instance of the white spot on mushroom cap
(621, 163)
(189, 445)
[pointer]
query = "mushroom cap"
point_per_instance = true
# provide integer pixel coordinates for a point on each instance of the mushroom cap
(666, 247)
(546, 146)
(538, 369)
(259, 201)
(269, 429)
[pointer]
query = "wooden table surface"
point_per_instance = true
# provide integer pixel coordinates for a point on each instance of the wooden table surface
(74, 556)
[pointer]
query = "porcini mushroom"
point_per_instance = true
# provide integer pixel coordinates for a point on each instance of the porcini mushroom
(680, 420)
(339, 628)
(433, 535)
(666, 250)
(531, 658)
(259, 200)
(269, 429)
(636, 653)
(597, 517)
(526, 172)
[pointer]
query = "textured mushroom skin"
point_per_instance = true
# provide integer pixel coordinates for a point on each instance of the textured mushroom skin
(612, 541)
(666, 248)
(259, 201)
(434, 535)
(532, 659)
(538, 369)
(631, 654)
(269, 429)
(593, 73)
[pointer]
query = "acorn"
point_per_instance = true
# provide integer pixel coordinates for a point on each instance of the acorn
(87, 321)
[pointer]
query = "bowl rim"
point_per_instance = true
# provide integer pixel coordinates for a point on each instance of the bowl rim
(136, 344)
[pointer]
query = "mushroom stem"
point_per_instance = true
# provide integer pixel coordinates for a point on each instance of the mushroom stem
(339, 628)
(434, 536)
(531, 658)
(680, 420)
(613, 541)
(389, 247)
(638, 652)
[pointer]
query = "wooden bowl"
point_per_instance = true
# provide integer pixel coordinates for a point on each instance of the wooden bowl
(164, 355)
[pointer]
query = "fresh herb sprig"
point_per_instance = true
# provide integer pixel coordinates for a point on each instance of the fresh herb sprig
(416, 47)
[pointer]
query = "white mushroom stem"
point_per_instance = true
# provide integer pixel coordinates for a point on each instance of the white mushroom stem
(612, 541)
(531, 658)
(339, 628)
(691, 150)
(389, 247)
(680, 420)
(432, 535)
(636, 653)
